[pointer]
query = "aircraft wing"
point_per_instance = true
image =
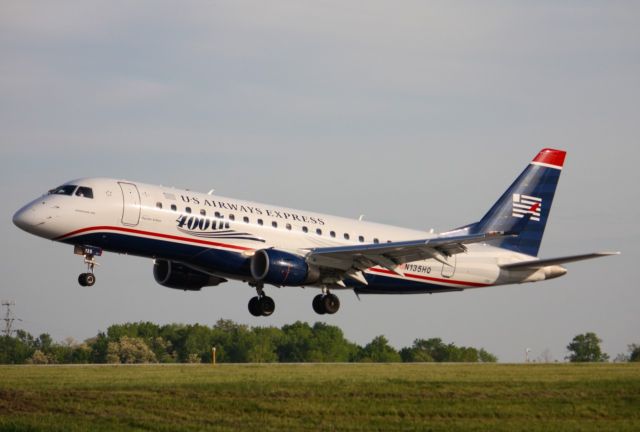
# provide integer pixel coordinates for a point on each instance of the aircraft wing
(536, 264)
(351, 260)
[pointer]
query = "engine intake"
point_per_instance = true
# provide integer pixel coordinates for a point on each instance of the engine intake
(282, 268)
(174, 275)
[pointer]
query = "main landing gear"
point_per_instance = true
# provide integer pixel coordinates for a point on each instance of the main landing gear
(89, 253)
(261, 305)
(326, 303)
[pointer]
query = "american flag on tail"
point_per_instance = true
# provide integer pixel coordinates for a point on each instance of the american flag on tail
(525, 204)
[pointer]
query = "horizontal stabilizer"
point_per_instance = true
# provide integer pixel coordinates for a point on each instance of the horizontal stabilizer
(536, 264)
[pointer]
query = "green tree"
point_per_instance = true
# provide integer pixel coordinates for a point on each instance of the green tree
(263, 347)
(18, 349)
(418, 352)
(486, 357)
(429, 350)
(329, 345)
(99, 347)
(634, 353)
(69, 352)
(44, 342)
(198, 342)
(296, 343)
(586, 348)
(379, 351)
(236, 341)
(145, 330)
(130, 350)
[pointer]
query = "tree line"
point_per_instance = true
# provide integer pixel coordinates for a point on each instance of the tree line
(146, 342)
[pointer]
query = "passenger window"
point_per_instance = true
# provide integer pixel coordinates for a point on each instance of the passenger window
(246, 219)
(232, 217)
(218, 215)
(332, 234)
(187, 209)
(361, 239)
(84, 192)
(274, 224)
(289, 227)
(159, 204)
(319, 231)
(260, 222)
(388, 241)
(173, 207)
(376, 241)
(305, 229)
(203, 212)
(346, 236)
(226, 225)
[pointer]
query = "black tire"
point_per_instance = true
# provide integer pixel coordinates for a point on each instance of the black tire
(267, 305)
(89, 279)
(331, 303)
(318, 305)
(82, 279)
(254, 306)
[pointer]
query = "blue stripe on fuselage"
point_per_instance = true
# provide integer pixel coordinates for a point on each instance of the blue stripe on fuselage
(232, 263)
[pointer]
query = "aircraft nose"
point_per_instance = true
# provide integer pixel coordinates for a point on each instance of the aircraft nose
(27, 218)
(21, 218)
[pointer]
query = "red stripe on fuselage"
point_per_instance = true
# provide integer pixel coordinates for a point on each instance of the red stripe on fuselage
(151, 234)
(431, 279)
(243, 248)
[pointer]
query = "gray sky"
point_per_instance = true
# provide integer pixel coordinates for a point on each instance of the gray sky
(415, 113)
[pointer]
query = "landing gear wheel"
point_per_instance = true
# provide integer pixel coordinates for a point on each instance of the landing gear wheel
(87, 279)
(254, 306)
(331, 303)
(318, 306)
(267, 305)
(261, 306)
(89, 253)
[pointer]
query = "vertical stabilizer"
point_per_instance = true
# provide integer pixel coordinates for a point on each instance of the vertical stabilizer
(530, 196)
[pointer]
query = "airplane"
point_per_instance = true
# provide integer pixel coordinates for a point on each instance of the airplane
(199, 240)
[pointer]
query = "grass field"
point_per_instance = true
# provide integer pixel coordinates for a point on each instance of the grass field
(367, 397)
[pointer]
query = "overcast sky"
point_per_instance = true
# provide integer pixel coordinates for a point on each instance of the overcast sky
(415, 113)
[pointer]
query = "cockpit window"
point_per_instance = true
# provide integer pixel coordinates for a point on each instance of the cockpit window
(86, 192)
(63, 190)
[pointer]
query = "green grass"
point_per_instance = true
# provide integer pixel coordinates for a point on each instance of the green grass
(368, 397)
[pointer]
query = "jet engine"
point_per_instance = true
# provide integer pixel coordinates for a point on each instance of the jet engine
(282, 268)
(178, 276)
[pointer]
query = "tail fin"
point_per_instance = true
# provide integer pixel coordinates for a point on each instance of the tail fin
(531, 195)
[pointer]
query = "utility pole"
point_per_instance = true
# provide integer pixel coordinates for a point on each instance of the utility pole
(8, 317)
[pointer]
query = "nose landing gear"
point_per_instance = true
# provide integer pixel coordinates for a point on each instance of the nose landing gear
(89, 253)
(86, 279)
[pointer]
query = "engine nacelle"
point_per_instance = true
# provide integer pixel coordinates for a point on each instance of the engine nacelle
(178, 276)
(282, 268)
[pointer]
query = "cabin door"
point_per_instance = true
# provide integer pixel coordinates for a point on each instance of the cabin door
(130, 204)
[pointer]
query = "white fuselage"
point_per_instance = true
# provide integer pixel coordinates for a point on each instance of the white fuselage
(218, 235)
